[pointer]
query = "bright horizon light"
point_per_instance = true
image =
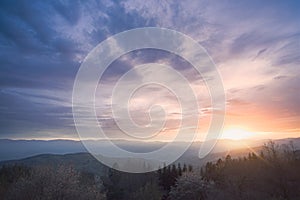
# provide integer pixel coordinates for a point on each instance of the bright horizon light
(237, 134)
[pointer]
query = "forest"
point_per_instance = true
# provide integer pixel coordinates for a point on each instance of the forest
(272, 174)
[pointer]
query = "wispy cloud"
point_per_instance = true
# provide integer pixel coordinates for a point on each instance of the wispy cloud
(255, 46)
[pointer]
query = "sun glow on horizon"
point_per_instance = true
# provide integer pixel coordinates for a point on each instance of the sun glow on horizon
(237, 134)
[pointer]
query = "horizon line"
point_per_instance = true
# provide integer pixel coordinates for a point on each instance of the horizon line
(126, 140)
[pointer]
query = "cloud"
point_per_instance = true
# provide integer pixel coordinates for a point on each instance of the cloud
(22, 115)
(43, 46)
(254, 44)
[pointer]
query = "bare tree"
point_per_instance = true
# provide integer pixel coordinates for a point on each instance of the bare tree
(190, 186)
(45, 183)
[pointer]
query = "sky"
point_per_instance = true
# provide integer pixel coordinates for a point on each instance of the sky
(255, 46)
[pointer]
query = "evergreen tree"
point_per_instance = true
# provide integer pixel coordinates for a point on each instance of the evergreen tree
(184, 168)
(179, 169)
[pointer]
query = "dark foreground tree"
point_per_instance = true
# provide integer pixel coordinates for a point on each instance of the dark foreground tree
(190, 186)
(62, 183)
(151, 191)
(271, 174)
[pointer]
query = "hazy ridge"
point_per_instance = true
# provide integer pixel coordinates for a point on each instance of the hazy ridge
(18, 149)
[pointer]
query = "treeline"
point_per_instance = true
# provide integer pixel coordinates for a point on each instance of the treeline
(167, 176)
(64, 182)
(152, 185)
(272, 174)
(122, 185)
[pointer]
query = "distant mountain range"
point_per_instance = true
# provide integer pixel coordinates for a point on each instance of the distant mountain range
(81, 161)
(57, 152)
(18, 149)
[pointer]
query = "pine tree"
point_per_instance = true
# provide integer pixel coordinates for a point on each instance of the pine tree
(190, 168)
(179, 169)
(184, 168)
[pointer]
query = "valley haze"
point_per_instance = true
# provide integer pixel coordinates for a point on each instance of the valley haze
(19, 149)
